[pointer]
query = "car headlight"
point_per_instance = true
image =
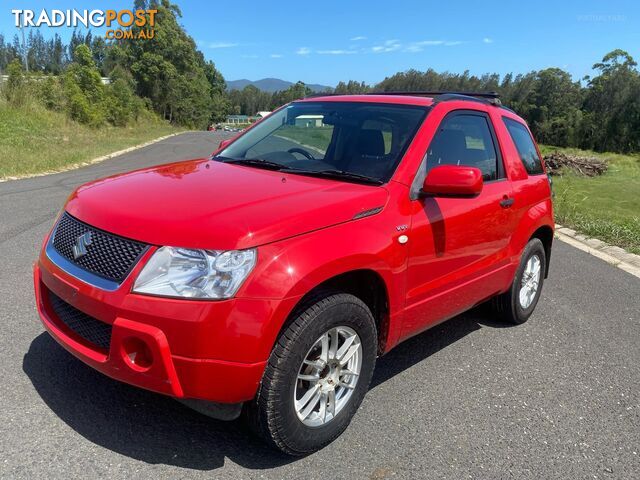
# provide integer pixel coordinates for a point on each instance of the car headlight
(189, 273)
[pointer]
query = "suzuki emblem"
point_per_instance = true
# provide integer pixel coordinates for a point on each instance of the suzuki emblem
(82, 242)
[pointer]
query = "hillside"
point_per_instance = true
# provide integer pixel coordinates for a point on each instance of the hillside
(35, 140)
(271, 85)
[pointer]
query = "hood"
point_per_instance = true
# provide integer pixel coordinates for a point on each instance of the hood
(214, 205)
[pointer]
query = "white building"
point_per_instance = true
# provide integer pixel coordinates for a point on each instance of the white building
(309, 120)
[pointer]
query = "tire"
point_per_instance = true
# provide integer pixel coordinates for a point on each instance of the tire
(275, 414)
(509, 305)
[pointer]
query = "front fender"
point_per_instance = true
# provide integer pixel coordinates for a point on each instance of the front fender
(295, 266)
(289, 269)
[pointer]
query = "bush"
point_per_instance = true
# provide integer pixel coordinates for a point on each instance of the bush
(78, 106)
(80, 93)
(51, 95)
(15, 89)
(119, 103)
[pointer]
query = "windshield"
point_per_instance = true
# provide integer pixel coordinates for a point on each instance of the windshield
(352, 140)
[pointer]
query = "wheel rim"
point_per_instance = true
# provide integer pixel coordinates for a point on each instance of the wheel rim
(328, 376)
(530, 281)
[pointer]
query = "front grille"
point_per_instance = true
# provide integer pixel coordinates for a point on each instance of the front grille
(107, 255)
(93, 331)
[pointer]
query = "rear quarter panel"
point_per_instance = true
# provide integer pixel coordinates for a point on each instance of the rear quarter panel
(532, 193)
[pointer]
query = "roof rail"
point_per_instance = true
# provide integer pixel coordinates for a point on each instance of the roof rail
(489, 98)
(492, 98)
(431, 93)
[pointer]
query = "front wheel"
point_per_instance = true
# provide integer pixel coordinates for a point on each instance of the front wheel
(317, 375)
(517, 304)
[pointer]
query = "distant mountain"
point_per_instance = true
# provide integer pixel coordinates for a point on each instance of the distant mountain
(271, 85)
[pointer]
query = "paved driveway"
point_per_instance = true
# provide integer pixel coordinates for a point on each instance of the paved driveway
(558, 397)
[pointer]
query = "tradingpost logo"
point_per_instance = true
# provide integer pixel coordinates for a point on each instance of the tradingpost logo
(118, 22)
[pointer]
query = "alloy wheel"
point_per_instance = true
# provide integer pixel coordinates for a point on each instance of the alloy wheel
(530, 281)
(328, 375)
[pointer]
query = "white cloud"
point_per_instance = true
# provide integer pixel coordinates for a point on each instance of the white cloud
(414, 47)
(388, 46)
(336, 52)
(487, 40)
(222, 45)
(358, 38)
(303, 51)
(276, 55)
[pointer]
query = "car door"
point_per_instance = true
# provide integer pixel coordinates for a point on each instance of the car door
(458, 248)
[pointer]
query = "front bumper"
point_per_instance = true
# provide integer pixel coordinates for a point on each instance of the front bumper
(179, 338)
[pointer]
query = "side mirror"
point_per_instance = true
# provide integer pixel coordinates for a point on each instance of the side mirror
(452, 181)
(224, 143)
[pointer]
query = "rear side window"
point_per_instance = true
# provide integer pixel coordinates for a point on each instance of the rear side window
(464, 139)
(526, 148)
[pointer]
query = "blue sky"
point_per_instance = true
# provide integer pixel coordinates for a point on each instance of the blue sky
(327, 41)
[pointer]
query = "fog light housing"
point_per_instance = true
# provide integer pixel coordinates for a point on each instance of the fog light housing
(137, 354)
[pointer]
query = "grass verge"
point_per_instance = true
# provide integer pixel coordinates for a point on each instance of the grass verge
(35, 140)
(606, 207)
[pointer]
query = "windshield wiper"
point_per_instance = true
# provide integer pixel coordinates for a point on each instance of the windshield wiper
(258, 162)
(330, 173)
(336, 174)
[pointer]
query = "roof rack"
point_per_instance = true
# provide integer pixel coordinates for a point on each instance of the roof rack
(431, 93)
(492, 98)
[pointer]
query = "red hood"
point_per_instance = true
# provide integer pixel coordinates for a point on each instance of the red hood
(207, 204)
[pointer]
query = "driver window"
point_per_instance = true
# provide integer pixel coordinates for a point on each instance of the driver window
(464, 140)
(306, 132)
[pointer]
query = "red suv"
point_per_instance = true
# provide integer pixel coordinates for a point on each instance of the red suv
(269, 277)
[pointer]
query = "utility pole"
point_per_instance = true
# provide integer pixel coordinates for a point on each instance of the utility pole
(24, 50)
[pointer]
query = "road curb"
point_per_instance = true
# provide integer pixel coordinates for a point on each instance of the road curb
(616, 256)
(102, 158)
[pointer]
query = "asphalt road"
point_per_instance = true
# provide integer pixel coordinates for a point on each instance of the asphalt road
(558, 397)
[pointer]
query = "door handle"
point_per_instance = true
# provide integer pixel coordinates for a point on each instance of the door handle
(506, 202)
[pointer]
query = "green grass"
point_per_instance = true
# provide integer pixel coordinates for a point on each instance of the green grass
(606, 207)
(317, 137)
(35, 140)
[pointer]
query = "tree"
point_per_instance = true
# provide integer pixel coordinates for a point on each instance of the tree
(8, 53)
(84, 89)
(295, 92)
(614, 61)
(352, 87)
(221, 106)
(57, 58)
(612, 105)
(171, 72)
(85, 73)
(553, 112)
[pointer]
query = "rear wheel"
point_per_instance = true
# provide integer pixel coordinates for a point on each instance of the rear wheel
(518, 303)
(317, 375)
